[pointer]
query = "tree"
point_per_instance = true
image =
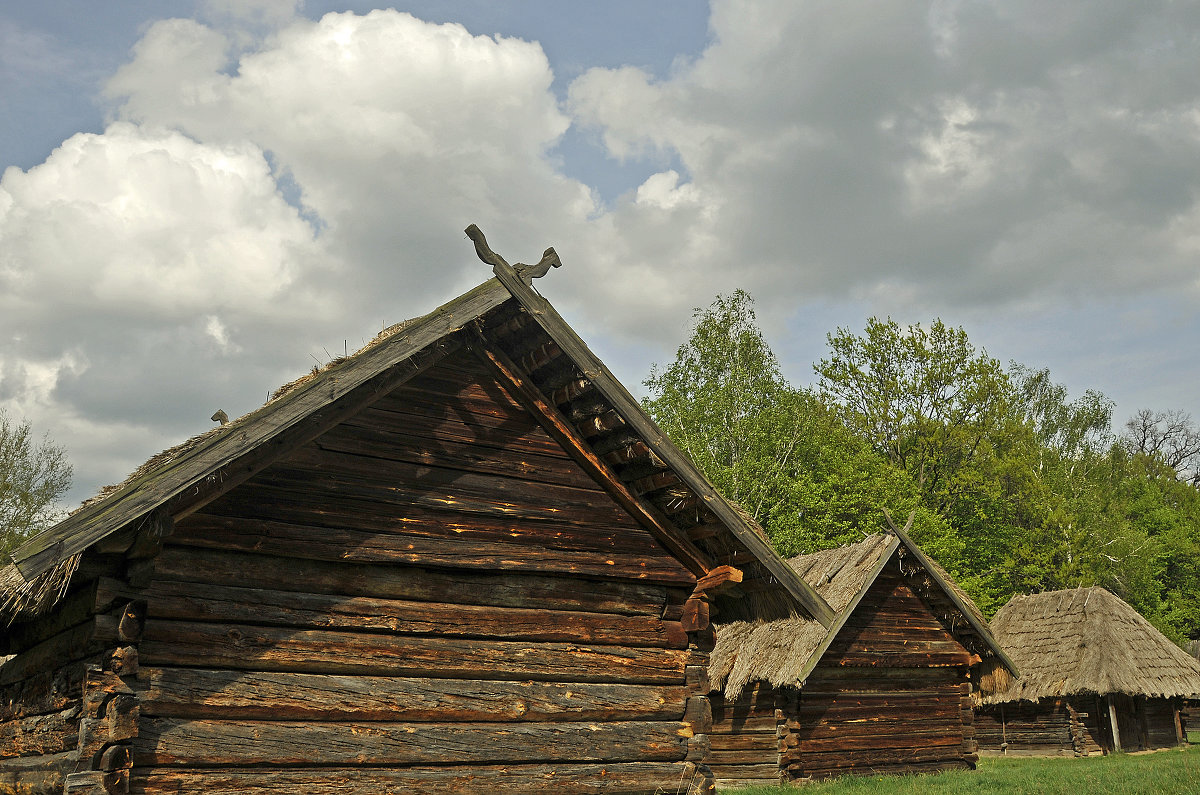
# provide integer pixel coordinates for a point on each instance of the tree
(775, 449)
(1167, 436)
(925, 399)
(33, 475)
(726, 404)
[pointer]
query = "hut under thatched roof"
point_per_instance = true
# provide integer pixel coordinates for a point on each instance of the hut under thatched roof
(885, 688)
(1095, 676)
(461, 560)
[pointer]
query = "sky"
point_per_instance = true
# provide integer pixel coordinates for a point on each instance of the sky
(202, 199)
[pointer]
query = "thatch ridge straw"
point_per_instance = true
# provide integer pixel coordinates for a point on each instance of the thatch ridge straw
(1086, 641)
(762, 637)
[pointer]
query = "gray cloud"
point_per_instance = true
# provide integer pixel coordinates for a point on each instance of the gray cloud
(260, 201)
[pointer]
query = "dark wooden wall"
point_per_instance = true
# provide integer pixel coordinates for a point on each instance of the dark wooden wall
(1044, 728)
(1079, 726)
(431, 597)
(891, 695)
(745, 736)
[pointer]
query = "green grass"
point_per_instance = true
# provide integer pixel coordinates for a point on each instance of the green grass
(1171, 771)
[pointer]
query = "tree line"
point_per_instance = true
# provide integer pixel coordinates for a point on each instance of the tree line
(1014, 486)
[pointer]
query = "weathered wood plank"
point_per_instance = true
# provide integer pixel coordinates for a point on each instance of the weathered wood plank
(325, 543)
(36, 774)
(197, 692)
(39, 735)
(211, 743)
(72, 644)
(309, 468)
(912, 725)
(444, 422)
(469, 456)
(930, 739)
(309, 510)
(51, 689)
(218, 603)
(223, 567)
(246, 647)
(517, 779)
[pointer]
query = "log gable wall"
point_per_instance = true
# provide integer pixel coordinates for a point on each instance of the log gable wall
(890, 695)
(430, 597)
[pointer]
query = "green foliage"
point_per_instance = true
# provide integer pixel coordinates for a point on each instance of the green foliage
(776, 450)
(33, 474)
(1014, 486)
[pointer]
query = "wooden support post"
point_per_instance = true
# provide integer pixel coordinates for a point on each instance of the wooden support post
(1112, 718)
(1180, 737)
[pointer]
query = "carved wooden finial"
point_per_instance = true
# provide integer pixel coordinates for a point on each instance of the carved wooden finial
(220, 416)
(536, 271)
(527, 273)
(481, 247)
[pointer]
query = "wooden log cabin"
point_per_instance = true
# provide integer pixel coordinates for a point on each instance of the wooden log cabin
(1095, 677)
(460, 560)
(886, 688)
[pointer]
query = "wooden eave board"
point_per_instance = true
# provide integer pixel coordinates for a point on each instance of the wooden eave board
(815, 658)
(981, 629)
(627, 406)
(136, 499)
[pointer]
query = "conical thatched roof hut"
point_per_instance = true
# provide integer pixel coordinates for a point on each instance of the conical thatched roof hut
(1095, 675)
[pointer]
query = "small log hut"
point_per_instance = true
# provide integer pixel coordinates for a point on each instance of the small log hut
(461, 560)
(1095, 677)
(885, 688)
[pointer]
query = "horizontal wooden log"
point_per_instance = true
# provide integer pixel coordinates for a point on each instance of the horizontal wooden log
(585, 779)
(916, 676)
(746, 740)
(847, 705)
(743, 756)
(744, 723)
(36, 774)
(75, 609)
(398, 481)
(210, 743)
(39, 735)
(903, 768)
(222, 567)
(453, 425)
(247, 647)
(194, 692)
(433, 449)
(910, 725)
(325, 543)
(936, 738)
(810, 761)
(77, 643)
(52, 689)
(752, 774)
(409, 520)
(202, 602)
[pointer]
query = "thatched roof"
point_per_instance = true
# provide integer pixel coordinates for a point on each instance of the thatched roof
(760, 641)
(1086, 640)
(186, 476)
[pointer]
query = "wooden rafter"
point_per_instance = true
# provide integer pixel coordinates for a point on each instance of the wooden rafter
(631, 412)
(559, 428)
